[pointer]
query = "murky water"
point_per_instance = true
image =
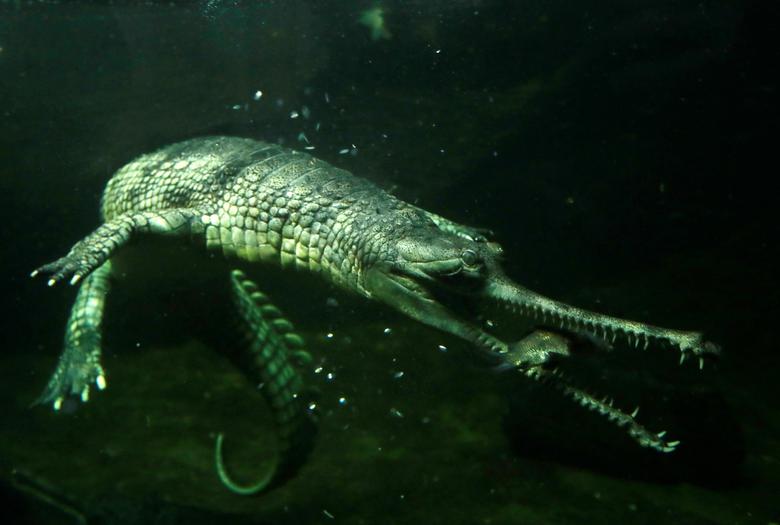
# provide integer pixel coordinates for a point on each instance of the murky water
(613, 150)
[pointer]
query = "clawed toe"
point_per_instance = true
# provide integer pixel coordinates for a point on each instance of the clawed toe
(72, 383)
(58, 270)
(63, 268)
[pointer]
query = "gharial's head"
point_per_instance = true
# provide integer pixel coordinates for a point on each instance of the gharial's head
(421, 265)
(425, 268)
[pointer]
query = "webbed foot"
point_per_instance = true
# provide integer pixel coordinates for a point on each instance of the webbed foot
(76, 372)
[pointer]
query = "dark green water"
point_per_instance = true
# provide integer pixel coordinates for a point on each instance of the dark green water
(622, 152)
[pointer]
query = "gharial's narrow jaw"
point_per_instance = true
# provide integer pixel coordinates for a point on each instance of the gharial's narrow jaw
(471, 268)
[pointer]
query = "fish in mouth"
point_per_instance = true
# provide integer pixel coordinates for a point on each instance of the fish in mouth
(427, 266)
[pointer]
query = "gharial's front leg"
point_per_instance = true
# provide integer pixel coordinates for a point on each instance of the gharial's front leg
(79, 365)
(97, 247)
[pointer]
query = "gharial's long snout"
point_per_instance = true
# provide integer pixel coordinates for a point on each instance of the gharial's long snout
(471, 268)
(535, 354)
(604, 327)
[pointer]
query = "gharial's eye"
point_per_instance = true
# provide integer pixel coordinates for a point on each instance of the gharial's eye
(470, 258)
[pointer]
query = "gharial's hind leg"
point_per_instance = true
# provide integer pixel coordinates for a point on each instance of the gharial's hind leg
(79, 365)
(97, 247)
(270, 350)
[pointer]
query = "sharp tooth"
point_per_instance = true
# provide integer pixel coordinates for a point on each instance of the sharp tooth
(647, 343)
(661, 434)
(635, 412)
(682, 358)
(701, 363)
(672, 444)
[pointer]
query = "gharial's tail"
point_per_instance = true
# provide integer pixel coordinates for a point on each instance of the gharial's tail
(272, 348)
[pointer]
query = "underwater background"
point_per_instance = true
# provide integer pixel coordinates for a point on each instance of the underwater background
(623, 153)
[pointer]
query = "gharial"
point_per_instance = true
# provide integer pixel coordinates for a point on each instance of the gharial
(262, 203)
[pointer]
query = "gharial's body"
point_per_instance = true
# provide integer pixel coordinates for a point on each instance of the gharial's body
(262, 203)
